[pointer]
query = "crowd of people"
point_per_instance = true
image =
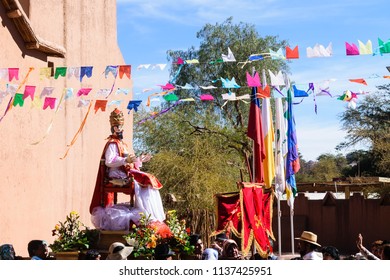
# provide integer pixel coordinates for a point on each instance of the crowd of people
(223, 248)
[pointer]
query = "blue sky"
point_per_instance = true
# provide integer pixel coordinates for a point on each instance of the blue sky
(147, 29)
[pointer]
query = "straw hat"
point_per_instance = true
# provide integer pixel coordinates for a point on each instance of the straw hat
(118, 251)
(309, 237)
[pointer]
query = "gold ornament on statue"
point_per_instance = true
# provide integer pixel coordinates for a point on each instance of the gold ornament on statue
(116, 118)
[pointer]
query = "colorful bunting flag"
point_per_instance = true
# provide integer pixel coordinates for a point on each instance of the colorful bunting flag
(85, 71)
(18, 100)
(49, 102)
(29, 91)
(134, 104)
(253, 81)
(100, 104)
(60, 71)
(125, 70)
(365, 48)
(359, 81)
(13, 73)
(351, 49)
(292, 53)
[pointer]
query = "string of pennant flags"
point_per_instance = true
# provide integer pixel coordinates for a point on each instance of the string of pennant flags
(45, 100)
(18, 99)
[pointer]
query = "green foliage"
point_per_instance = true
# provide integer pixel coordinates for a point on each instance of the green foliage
(72, 235)
(369, 124)
(145, 236)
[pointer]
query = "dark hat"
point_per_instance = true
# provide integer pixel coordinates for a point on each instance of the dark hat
(221, 237)
(163, 251)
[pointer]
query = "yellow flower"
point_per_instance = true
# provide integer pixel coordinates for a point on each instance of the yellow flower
(57, 227)
(73, 213)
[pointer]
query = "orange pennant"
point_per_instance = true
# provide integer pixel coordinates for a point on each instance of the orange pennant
(360, 81)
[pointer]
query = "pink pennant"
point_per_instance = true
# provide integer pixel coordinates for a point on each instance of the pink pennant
(49, 102)
(351, 49)
(168, 86)
(206, 97)
(84, 91)
(180, 61)
(29, 91)
(13, 73)
(253, 81)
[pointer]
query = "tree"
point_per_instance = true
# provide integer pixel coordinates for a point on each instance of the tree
(369, 123)
(202, 148)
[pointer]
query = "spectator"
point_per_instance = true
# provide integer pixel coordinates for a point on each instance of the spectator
(118, 251)
(230, 251)
(330, 253)
(308, 246)
(196, 241)
(92, 255)
(386, 252)
(363, 250)
(7, 252)
(163, 252)
(38, 250)
(210, 254)
(218, 244)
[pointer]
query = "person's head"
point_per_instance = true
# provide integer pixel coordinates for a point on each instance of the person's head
(376, 247)
(385, 252)
(163, 252)
(7, 252)
(230, 248)
(220, 239)
(118, 251)
(307, 243)
(330, 253)
(196, 241)
(38, 248)
(116, 122)
(92, 255)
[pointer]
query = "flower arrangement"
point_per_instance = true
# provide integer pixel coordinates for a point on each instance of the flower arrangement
(180, 240)
(145, 236)
(72, 235)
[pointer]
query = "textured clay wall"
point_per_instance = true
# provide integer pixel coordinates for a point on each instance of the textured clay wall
(37, 188)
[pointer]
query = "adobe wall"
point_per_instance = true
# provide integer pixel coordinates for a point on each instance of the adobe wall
(37, 188)
(337, 222)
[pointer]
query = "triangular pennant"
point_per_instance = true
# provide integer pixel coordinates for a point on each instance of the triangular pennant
(49, 102)
(351, 49)
(206, 97)
(133, 104)
(276, 80)
(365, 48)
(229, 57)
(60, 71)
(100, 104)
(253, 81)
(292, 53)
(29, 91)
(18, 100)
(171, 97)
(84, 91)
(359, 81)
(125, 70)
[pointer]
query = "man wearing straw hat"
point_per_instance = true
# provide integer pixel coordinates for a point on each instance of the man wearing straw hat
(308, 246)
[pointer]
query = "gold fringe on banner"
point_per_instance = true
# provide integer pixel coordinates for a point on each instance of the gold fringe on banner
(78, 132)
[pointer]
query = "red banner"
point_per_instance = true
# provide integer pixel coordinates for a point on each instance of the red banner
(228, 213)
